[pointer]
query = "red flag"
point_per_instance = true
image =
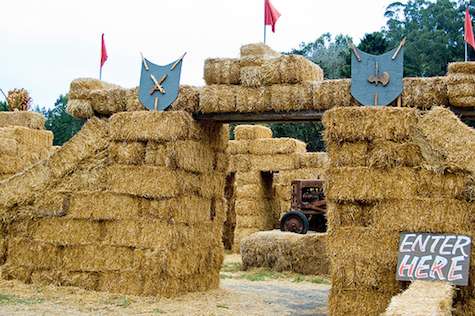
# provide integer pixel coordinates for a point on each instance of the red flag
(469, 38)
(271, 14)
(103, 52)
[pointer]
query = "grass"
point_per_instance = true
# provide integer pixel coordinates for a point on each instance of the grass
(222, 306)
(231, 267)
(6, 299)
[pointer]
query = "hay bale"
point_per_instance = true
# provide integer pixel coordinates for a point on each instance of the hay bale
(222, 71)
(425, 93)
(258, 49)
(286, 176)
(192, 156)
(313, 160)
(218, 98)
(274, 162)
(238, 147)
(271, 146)
(80, 108)
(127, 153)
(167, 126)
(188, 99)
(423, 298)
(369, 124)
(252, 99)
(291, 97)
(357, 302)
(31, 120)
(284, 251)
(368, 184)
(461, 84)
(250, 132)
(333, 93)
(445, 140)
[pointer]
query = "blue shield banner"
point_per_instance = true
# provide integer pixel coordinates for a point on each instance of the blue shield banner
(159, 85)
(377, 80)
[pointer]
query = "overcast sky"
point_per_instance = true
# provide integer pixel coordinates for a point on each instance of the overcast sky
(46, 44)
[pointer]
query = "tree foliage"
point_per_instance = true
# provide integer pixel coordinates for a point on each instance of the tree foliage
(3, 106)
(63, 125)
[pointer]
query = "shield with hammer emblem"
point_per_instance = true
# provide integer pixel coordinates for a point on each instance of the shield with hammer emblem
(377, 80)
(159, 85)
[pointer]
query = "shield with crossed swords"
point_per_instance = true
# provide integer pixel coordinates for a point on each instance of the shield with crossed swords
(159, 85)
(377, 80)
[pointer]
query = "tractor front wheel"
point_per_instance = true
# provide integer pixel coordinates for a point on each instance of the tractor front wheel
(295, 222)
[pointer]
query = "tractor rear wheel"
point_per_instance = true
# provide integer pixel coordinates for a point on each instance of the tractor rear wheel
(295, 222)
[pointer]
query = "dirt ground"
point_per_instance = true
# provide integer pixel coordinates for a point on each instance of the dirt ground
(255, 292)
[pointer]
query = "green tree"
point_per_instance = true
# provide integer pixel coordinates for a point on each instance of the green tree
(308, 132)
(3, 106)
(374, 43)
(63, 125)
(434, 32)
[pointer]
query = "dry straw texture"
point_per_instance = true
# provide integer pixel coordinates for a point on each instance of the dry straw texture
(333, 93)
(258, 49)
(218, 98)
(222, 71)
(18, 100)
(21, 118)
(423, 298)
(425, 93)
(249, 132)
(283, 251)
(461, 84)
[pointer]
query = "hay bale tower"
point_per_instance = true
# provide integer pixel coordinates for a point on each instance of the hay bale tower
(132, 204)
(23, 141)
(392, 170)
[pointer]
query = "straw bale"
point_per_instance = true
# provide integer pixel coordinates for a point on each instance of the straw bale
(239, 163)
(357, 302)
(79, 84)
(250, 221)
(27, 253)
(250, 132)
(188, 99)
(103, 205)
(154, 126)
(379, 154)
(222, 71)
(461, 67)
(15, 272)
(209, 185)
(241, 233)
(283, 251)
(98, 258)
(333, 93)
(191, 155)
(274, 162)
(348, 154)
(446, 140)
(9, 165)
(86, 280)
(367, 184)
(80, 108)
(424, 93)
(188, 209)
(23, 188)
(132, 102)
(146, 181)
(291, 97)
(348, 214)
(251, 76)
(218, 98)
(8, 146)
(156, 154)
(252, 61)
(251, 177)
(107, 101)
(215, 135)
(271, 146)
(62, 231)
(238, 147)
(313, 160)
(22, 118)
(461, 90)
(127, 153)
(221, 162)
(369, 124)
(258, 49)
(423, 298)
(249, 191)
(252, 99)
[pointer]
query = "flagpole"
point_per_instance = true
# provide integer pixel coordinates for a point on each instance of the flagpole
(264, 21)
(100, 73)
(466, 52)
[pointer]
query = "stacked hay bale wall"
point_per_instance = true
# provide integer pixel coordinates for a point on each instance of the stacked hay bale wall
(284, 251)
(23, 141)
(461, 84)
(133, 205)
(388, 174)
(423, 298)
(263, 169)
